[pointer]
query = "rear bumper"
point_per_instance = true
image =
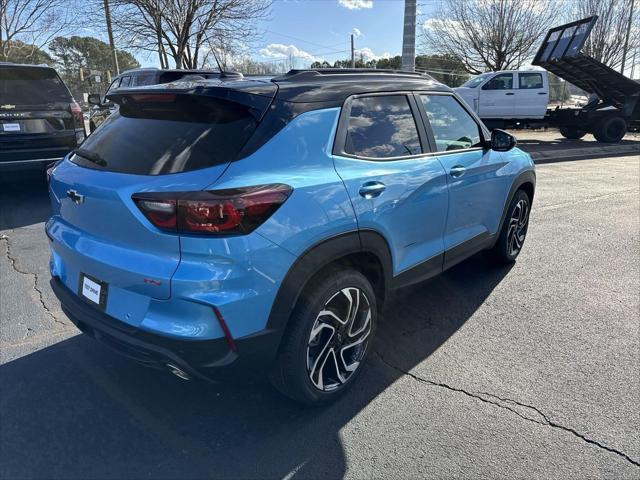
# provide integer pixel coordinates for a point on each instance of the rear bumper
(206, 359)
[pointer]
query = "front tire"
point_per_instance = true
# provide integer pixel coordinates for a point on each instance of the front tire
(572, 133)
(514, 229)
(327, 338)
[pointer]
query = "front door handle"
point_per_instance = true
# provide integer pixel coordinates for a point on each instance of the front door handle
(510, 93)
(371, 190)
(457, 171)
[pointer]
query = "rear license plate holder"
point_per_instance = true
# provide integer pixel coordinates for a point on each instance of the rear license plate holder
(93, 290)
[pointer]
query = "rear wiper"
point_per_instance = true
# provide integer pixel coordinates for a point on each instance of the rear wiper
(92, 157)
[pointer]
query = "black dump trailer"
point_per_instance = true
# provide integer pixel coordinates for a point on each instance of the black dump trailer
(614, 105)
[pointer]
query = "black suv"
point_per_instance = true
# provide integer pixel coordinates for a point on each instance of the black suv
(40, 122)
(138, 77)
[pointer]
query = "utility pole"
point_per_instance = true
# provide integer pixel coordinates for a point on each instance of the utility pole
(409, 36)
(107, 14)
(626, 39)
(353, 54)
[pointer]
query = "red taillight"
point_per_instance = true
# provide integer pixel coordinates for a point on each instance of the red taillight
(78, 121)
(154, 97)
(162, 213)
(226, 212)
(76, 111)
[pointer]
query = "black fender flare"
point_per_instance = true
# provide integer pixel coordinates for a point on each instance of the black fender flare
(318, 256)
(528, 176)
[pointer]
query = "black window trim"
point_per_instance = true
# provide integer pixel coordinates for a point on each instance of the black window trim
(484, 133)
(339, 142)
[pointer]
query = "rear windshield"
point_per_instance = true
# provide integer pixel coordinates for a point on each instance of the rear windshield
(185, 134)
(31, 86)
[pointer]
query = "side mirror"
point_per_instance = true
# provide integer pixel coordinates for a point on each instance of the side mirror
(502, 141)
(94, 99)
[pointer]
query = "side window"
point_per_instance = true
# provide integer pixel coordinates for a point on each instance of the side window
(113, 86)
(503, 81)
(141, 80)
(530, 80)
(125, 82)
(382, 127)
(453, 128)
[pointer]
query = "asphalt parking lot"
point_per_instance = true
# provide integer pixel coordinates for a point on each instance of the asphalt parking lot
(523, 372)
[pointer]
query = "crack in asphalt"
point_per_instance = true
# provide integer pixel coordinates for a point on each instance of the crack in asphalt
(535, 415)
(35, 276)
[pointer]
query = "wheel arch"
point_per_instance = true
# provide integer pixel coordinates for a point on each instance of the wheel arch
(366, 251)
(524, 181)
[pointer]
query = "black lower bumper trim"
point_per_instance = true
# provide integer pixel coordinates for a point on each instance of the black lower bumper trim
(208, 359)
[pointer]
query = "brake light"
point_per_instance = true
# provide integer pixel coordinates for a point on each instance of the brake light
(162, 213)
(76, 111)
(224, 212)
(154, 97)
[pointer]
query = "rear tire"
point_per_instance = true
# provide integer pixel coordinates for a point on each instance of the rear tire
(610, 130)
(572, 133)
(514, 229)
(320, 357)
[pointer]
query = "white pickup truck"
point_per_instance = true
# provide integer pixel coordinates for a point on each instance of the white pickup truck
(508, 95)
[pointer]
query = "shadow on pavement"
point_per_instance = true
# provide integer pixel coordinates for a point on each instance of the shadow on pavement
(545, 147)
(24, 198)
(77, 410)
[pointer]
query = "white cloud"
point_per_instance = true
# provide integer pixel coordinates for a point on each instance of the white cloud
(356, 4)
(436, 25)
(368, 55)
(356, 32)
(279, 50)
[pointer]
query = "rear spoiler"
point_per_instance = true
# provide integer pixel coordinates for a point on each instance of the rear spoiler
(256, 98)
(560, 53)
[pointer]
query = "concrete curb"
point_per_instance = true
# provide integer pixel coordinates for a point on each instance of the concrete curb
(551, 156)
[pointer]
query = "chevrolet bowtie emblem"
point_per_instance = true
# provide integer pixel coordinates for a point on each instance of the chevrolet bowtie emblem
(7, 106)
(75, 197)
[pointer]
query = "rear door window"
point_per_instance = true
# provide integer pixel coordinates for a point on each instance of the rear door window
(31, 86)
(530, 80)
(183, 134)
(381, 127)
(453, 128)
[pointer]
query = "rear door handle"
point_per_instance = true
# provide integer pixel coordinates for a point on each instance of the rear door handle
(510, 93)
(542, 93)
(457, 171)
(371, 190)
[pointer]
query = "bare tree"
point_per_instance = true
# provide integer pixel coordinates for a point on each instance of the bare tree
(29, 25)
(609, 33)
(489, 34)
(185, 30)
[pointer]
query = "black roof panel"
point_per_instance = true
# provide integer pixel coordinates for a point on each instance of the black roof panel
(334, 85)
(330, 87)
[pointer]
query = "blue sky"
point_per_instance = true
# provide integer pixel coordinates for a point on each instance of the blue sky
(319, 29)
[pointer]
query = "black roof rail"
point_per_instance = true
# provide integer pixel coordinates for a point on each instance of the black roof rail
(308, 74)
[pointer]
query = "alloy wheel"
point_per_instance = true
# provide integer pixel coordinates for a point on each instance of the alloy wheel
(518, 224)
(339, 338)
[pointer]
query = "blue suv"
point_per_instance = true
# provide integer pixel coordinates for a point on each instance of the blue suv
(256, 225)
